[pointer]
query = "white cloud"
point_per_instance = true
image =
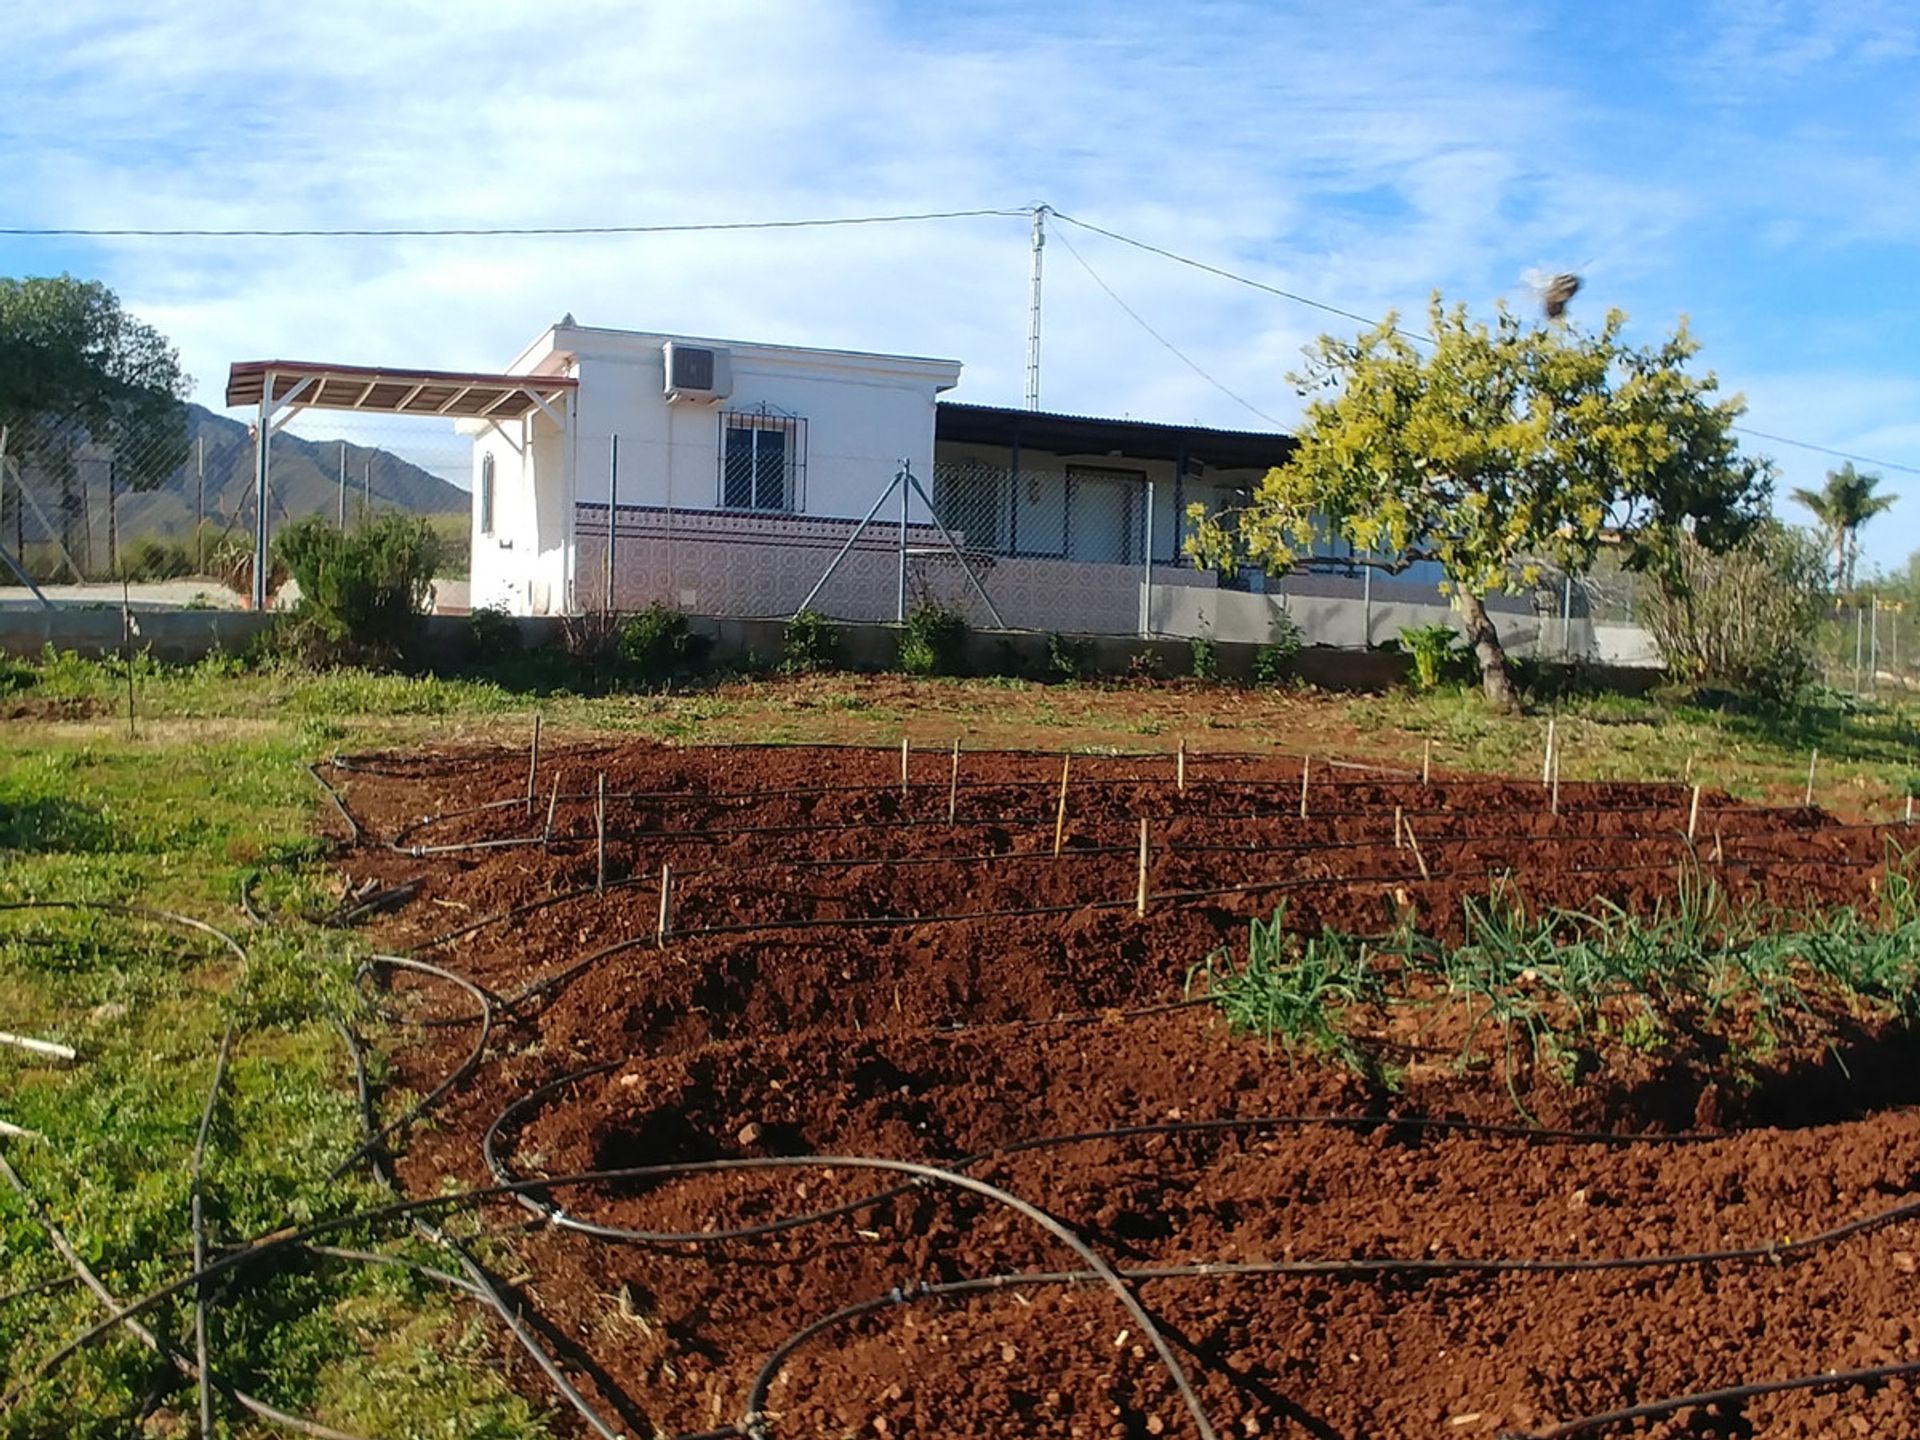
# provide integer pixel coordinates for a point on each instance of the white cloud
(1363, 156)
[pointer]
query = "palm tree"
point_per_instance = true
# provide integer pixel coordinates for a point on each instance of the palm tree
(1842, 506)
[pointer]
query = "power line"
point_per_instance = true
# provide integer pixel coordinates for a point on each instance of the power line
(1229, 274)
(1177, 352)
(1828, 450)
(451, 232)
(1298, 299)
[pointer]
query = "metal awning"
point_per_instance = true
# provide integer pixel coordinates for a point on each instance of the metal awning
(379, 390)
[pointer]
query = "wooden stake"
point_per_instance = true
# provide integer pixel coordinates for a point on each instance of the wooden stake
(1688, 775)
(665, 922)
(600, 834)
(533, 762)
(1909, 809)
(1180, 767)
(1553, 805)
(1140, 895)
(903, 764)
(953, 783)
(1420, 859)
(553, 805)
(1693, 815)
(49, 1048)
(1306, 770)
(1060, 815)
(1812, 760)
(1717, 851)
(1398, 822)
(1546, 763)
(17, 1132)
(1426, 764)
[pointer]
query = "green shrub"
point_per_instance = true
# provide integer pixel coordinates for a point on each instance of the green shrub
(811, 643)
(1745, 621)
(933, 641)
(1273, 661)
(1433, 650)
(363, 589)
(1206, 658)
(658, 644)
(150, 558)
(492, 636)
(1066, 656)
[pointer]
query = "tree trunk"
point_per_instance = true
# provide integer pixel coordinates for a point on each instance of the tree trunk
(1495, 678)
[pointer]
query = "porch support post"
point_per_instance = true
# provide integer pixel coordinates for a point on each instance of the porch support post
(262, 446)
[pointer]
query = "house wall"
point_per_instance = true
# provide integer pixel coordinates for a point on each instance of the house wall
(863, 416)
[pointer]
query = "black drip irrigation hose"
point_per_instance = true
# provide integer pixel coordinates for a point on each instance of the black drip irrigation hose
(135, 912)
(122, 1317)
(1768, 1251)
(199, 1223)
(1732, 1395)
(1284, 808)
(265, 1246)
(477, 1282)
(487, 1003)
(575, 968)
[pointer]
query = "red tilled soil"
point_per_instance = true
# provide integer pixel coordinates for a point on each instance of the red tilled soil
(848, 974)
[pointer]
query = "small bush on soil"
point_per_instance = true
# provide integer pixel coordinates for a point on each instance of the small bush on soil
(1291, 989)
(1745, 621)
(1273, 661)
(1433, 650)
(1066, 656)
(658, 645)
(810, 643)
(492, 636)
(933, 640)
(1206, 658)
(361, 590)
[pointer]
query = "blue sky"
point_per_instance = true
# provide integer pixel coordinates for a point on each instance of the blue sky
(1755, 166)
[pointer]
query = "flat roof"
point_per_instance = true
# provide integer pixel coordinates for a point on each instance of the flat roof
(385, 390)
(1060, 434)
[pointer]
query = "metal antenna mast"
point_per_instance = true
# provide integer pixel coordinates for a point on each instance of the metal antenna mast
(1033, 309)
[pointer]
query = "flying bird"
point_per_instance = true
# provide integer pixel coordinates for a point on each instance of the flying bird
(1555, 290)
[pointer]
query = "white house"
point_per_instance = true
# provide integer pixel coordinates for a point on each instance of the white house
(619, 468)
(719, 461)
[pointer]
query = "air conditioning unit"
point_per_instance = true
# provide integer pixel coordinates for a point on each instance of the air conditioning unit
(698, 372)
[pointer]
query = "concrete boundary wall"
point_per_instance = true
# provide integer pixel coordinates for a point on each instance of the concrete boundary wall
(180, 636)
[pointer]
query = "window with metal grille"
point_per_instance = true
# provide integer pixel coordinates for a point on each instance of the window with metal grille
(486, 494)
(763, 461)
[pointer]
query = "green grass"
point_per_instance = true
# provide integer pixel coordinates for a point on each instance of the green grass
(161, 823)
(212, 786)
(1561, 985)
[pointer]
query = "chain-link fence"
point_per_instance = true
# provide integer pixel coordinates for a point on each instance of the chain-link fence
(74, 509)
(1870, 642)
(1078, 549)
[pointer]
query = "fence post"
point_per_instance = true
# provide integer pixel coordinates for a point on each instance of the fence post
(900, 598)
(200, 509)
(113, 517)
(1366, 604)
(1146, 568)
(1873, 646)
